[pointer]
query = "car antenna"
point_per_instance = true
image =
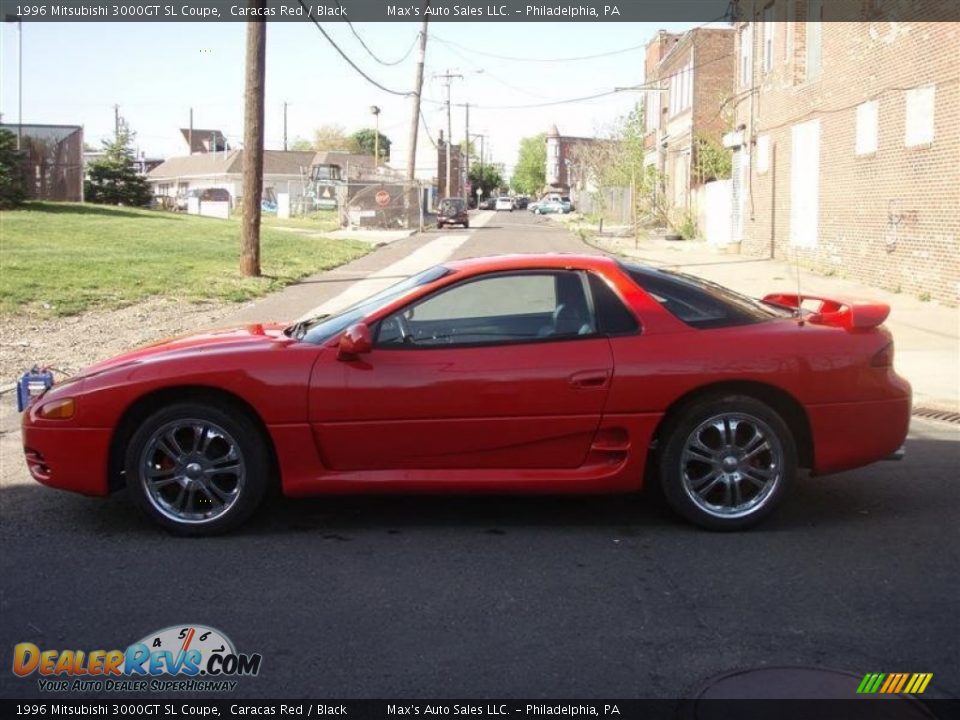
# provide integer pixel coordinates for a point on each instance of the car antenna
(796, 257)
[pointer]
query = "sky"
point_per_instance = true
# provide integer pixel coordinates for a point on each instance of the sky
(74, 73)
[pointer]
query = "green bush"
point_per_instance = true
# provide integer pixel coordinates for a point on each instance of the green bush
(12, 191)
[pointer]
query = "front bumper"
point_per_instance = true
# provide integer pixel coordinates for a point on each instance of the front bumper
(68, 458)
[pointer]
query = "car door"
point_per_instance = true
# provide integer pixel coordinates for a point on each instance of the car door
(504, 370)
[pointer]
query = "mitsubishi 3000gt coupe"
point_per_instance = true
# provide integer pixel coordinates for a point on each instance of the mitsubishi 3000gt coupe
(512, 374)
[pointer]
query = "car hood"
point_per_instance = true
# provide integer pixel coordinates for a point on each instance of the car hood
(241, 337)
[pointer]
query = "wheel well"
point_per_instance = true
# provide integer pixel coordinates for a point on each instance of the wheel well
(144, 406)
(784, 404)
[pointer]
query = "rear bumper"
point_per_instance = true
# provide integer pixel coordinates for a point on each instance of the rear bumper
(72, 459)
(850, 435)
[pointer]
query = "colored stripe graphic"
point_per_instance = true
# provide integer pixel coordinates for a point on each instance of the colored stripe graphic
(894, 683)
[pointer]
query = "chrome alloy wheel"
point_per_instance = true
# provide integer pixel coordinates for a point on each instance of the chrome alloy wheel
(731, 464)
(192, 470)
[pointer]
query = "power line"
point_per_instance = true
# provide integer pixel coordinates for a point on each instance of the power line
(539, 60)
(426, 129)
(349, 61)
(653, 85)
(369, 51)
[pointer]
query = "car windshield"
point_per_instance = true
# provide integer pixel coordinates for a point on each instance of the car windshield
(322, 328)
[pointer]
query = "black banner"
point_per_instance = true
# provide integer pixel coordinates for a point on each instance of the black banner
(701, 11)
(894, 708)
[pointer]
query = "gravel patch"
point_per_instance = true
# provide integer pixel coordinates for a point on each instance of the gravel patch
(74, 342)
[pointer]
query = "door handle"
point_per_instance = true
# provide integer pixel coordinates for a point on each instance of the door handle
(590, 379)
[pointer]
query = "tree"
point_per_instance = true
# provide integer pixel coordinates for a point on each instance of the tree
(301, 145)
(486, 177)
(332, 137)
(529, 176)
(364, 141)
(113, 179)
(12, 191)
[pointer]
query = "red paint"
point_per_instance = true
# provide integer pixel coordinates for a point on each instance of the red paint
(563, 416)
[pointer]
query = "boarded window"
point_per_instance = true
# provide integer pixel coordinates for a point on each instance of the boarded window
(919, 119)
(867, 116)
(805, 184)
(814, 37)
(763, 153)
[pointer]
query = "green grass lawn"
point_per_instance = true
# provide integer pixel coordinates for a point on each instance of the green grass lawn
(73, 257)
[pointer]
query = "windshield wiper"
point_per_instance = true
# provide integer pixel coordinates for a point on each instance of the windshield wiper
(299, 328)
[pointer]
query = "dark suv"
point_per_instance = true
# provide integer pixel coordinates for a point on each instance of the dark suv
(453, 211)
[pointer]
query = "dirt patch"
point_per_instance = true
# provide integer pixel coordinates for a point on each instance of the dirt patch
(72, 343)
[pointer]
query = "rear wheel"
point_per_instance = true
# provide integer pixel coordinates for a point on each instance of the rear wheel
(197, 469)
(727, 462)
(466, 226)
(439, 226)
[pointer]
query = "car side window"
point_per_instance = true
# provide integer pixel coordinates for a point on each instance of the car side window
(495, 309)
(613, 317)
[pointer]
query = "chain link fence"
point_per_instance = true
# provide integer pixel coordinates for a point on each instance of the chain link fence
(388, 205)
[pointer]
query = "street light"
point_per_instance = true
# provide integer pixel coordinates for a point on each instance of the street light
(16, 19)
(376, 135)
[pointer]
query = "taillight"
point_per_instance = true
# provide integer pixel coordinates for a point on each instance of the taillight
(884, 357)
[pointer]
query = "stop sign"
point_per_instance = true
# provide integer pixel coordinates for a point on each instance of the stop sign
(383, 198)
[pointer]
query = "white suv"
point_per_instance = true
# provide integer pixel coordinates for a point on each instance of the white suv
(504, 203)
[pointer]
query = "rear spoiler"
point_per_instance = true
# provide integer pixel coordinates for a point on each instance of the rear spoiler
(848, 314)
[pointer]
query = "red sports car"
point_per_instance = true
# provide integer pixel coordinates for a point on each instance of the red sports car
(529, 374)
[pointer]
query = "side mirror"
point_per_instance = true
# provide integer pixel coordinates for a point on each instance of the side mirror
(355, 341)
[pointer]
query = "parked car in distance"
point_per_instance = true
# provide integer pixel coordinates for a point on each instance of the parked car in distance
(487, 204)
(204, 194)
(521, 202)
(453, 211)
(504, 203)
(513, 374)
(552, 206)
(532, 207)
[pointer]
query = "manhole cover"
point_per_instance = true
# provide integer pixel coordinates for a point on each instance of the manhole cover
(798, 683)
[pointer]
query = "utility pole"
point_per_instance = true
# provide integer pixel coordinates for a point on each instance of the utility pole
(285, 125)
(466, 153)
(376, 135)
(415, 100)
(19, 22)
(116, 123)
(253, 141)
(448, 76)
(190, 134)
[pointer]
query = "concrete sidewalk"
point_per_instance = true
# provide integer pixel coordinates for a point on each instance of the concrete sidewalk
(927, 334)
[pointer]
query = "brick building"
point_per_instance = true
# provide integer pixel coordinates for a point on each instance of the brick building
(847, 144)
(561, 156)
(691, 81)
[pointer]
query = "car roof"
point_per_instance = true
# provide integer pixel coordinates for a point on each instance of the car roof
(496, 263)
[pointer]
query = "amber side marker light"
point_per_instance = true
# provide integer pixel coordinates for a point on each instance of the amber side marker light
(58, 409)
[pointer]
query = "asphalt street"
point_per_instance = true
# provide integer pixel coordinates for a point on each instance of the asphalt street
(600, 597)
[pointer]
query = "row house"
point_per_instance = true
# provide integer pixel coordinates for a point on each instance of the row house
(688, 81)
(846, 140)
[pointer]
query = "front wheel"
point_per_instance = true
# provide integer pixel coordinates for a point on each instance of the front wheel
(197, 469)
(727, 462)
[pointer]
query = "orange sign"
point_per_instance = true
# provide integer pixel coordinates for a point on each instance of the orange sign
(383, 198)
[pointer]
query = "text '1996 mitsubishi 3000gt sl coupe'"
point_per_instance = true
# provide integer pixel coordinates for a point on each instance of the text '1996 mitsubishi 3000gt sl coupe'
(512, 374)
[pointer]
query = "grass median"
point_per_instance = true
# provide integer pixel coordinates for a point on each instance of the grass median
(64, 258)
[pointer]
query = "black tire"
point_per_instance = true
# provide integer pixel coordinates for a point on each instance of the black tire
(466, 226)
(686, 471)
(439, 226)
(227, 427)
